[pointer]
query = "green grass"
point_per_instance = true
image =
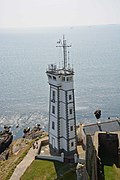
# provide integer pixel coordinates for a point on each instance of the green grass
(111, 172)
(69, 175)
(49, 170)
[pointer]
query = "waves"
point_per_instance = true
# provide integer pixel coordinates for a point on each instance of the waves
(24, 91)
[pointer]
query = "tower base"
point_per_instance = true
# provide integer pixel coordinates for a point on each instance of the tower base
(69, 156)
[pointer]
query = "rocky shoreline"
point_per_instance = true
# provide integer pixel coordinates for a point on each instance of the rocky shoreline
(29, 135)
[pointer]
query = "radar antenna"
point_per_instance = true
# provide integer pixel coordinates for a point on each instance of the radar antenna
(64, 46)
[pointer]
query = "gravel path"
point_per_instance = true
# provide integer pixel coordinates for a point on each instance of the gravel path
(25, 163)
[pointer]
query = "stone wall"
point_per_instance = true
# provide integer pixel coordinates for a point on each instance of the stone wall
(81, 172)
(93, 164)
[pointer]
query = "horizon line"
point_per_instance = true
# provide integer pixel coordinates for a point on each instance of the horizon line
(66, 26)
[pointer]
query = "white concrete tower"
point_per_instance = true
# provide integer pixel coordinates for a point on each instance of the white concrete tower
(62, 120)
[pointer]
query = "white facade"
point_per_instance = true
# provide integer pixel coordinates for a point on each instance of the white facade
(62, 121)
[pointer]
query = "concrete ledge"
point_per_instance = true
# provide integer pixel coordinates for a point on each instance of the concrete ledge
(52, 158)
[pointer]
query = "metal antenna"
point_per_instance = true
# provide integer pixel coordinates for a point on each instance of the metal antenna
(68, 59)
(64, 46)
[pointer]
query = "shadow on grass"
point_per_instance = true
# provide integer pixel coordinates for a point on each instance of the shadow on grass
(65, 171)
(109, 159)
(109, 166)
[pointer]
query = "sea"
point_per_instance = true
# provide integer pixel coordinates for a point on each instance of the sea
(24, 89)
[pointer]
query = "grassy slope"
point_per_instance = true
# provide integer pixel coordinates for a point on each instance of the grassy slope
(7, 167)
(111, 172)
(48, 170)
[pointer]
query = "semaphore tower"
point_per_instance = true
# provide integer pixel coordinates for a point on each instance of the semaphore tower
(62, 120)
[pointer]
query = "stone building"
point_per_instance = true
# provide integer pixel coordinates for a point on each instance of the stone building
(102, 147)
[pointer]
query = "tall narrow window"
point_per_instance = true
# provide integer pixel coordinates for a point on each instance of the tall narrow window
(53, 95)
(70, 97)
(70, 111)
(53, 109)
(71, 128)
(53, 125)
(72, 144)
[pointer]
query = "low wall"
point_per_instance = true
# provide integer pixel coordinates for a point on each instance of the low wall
(52, 158)
(49, 157)
(81, 161)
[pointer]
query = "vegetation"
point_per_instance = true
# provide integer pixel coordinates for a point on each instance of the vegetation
(48, 170)
(7, 167)
(111, 172)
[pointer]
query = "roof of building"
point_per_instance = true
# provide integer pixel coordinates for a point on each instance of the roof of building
(108, 126)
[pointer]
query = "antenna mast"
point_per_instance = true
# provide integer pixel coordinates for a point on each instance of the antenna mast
(64, 46)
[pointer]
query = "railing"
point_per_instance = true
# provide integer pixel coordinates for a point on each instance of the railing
(53, 68)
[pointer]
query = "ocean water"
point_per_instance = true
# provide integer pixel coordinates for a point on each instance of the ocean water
(24, 90)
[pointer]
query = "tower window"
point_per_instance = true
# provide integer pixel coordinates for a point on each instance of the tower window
(70, 78)
(70, 97)
(63, 78)
(53, 95)
(54, 77)
(49, 76)
(71, 128)
(53, 125)
(70, 111)
(53, 109)
(72, 144)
